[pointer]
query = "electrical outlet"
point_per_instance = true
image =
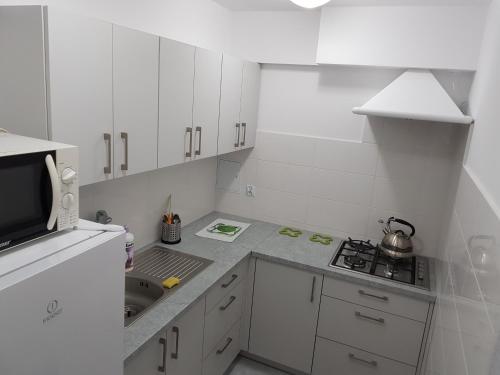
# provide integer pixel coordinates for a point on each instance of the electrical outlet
(251, 191)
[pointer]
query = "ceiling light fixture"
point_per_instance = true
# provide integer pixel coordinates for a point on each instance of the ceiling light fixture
(309, 3)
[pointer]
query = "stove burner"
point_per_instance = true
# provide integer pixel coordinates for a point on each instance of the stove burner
(360, 245)
(354, 261)
(365, 257)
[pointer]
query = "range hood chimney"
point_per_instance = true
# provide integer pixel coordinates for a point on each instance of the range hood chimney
(415, 95)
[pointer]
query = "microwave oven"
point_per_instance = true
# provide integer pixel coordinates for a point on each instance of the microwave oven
(38, 188)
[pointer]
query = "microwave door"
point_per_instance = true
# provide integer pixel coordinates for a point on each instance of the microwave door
(26, 198)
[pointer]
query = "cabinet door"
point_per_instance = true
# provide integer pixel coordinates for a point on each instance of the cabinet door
(81, 105)
(135, 101)
(249, 103)
(230, 102)
(150, 359)
(185, 342)
(206, 102)
(176, 102)
(22, 74)
(284, 314)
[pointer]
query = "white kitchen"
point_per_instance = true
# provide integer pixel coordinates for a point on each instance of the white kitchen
(249, 187)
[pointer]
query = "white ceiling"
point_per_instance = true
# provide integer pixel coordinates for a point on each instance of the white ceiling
(285, 5)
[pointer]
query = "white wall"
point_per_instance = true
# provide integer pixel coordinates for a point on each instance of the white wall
(202, 23)
(318, 166)
(484, 152)
(140, 200)
(276, 37)
(318, 101)
(433, 37)
(466, 338)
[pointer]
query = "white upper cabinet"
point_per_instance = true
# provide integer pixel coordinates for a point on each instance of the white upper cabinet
(239, 104)
(397, 36)
(176, 102)
(22, 75)
(250, 90)
(207, 81)
(230, 132)
(135, 101)
(81, 98)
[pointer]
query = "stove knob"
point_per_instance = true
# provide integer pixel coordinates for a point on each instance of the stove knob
(68, 176)
(68, 200)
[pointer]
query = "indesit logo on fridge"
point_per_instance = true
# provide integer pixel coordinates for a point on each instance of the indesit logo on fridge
(53, 310)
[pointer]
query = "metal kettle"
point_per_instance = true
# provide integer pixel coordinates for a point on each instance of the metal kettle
(396, 243)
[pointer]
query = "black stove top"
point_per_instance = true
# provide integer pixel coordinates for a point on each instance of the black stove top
(365, 257)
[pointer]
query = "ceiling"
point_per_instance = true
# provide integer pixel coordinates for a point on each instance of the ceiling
(286, 5)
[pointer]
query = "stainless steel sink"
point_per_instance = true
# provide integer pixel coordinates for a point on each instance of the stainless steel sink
(143, 286)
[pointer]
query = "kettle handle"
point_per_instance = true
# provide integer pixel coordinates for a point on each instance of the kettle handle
(403, 222)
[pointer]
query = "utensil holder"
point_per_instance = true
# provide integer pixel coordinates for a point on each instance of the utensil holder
(171, 233)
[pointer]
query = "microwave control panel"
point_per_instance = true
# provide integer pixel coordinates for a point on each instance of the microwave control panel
(67, 168)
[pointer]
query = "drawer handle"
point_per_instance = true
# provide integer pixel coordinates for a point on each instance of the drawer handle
(175, 354)
(361, 316)
(371, 363)
(313, 288)
(382, 298)
(231, 300)
(163, 365)
(189, 131)
(233, 277)
(228, 342)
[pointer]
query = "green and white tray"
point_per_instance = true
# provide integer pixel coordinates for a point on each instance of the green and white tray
(223, 230)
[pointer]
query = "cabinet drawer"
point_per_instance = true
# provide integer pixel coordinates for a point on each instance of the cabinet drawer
(372, 330)
(377, 299)
(222, 317)
(331, 357)
(225, 284)
(224, 352)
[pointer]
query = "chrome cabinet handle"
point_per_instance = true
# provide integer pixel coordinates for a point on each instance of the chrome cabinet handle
(244, 126)
(163, 365)
(190, 131)
(107, 140)
(175, 354)
(382, 298)
(354, 358)
(231, 300)
(361, 316)
(124, 136)
(313, 288)
(233, 277)
(237, 143)
(198, 152)
(228, 342)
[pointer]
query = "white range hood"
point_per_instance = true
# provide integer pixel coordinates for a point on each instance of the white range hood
(414, 95)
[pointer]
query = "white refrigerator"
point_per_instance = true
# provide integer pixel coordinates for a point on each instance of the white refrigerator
(61, 305)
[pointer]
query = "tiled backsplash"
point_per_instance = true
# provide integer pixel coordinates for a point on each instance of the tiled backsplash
(140, 200)
(402, 168)
(467, 316)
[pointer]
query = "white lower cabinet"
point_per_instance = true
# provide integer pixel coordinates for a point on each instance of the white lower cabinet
(334, 358)
(149, 360)
(185, 343)
(223, 354)
(178, 351)
(284, 314)
(372, 330)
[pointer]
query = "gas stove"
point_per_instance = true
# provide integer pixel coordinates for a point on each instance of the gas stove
(365, 257)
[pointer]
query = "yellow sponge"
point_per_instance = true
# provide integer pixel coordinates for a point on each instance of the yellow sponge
(171, 282)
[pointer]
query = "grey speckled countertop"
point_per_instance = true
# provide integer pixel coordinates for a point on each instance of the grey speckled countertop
(261, 240)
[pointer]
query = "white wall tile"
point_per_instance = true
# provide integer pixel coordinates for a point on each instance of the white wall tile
(341, 186)
(337, 215)
(346, 156)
